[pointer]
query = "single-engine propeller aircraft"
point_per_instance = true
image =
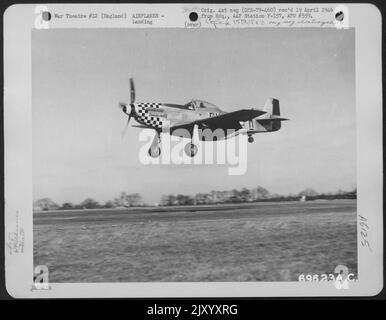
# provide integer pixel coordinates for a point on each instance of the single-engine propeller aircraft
(198, 114)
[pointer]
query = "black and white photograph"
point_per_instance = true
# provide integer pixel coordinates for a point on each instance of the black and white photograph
(195, 155)
(101, 214)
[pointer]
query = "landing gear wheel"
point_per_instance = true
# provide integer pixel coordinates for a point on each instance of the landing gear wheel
(191, 150)
(250, 139)
(154, 152)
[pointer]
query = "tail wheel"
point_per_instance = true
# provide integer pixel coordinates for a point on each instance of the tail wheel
(250, 139)
(154, 152)
(191, 149)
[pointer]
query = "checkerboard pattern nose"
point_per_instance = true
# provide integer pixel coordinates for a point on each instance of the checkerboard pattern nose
(145, 117)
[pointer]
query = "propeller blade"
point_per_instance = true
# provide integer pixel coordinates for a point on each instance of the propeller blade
(126, 126)
(132, 91)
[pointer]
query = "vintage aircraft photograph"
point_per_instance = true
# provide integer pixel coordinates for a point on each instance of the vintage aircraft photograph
(199, 114)
(105, 211)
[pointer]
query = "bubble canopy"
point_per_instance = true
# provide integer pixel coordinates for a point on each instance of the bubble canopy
(200, 104)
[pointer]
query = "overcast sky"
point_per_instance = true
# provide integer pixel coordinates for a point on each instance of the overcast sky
(79, 76)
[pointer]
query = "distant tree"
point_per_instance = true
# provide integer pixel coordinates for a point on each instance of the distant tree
(120, 201)
(189, 200)
(180, 199)
(128, 200)
(235, 196)
(168, 200)
(220, 196)
(203, 198)
(89, 203)
(67, 206)
(308, 192)
(109, 204)
(184, 200)
(262, 193)
(45, 204)
(135, 200)
(245, 195)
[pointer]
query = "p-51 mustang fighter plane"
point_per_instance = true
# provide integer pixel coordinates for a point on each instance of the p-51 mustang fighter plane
(184, 120)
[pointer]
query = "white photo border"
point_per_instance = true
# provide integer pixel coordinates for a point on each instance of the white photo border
(18, 23)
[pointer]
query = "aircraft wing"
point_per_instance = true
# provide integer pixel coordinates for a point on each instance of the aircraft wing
(230, 120)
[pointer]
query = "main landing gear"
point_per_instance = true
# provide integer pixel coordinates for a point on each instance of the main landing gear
(250, 139)
(154, 151)
(191, 149)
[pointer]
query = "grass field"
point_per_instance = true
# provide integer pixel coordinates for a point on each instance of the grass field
(252, 242)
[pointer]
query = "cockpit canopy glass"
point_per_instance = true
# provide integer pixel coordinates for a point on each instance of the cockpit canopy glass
(196, 104)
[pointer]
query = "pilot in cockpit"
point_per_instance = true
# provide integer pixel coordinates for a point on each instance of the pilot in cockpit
(194, 104)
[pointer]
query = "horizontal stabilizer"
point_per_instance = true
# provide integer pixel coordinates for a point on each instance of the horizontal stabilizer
(272, 119)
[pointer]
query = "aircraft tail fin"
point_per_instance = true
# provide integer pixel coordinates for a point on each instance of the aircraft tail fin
(273, 120)
(272, 106)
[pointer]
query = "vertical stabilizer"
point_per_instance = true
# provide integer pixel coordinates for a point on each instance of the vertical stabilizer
(272, 106)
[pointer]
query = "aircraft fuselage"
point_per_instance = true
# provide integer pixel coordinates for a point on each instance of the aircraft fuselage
(159, 115)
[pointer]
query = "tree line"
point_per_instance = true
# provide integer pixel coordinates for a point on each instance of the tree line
(258, 194)
(123, 200)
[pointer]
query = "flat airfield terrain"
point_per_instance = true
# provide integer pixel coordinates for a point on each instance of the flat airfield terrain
(243, 242)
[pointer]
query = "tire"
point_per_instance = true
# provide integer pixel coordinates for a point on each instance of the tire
(155, 152)
(191, 150)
